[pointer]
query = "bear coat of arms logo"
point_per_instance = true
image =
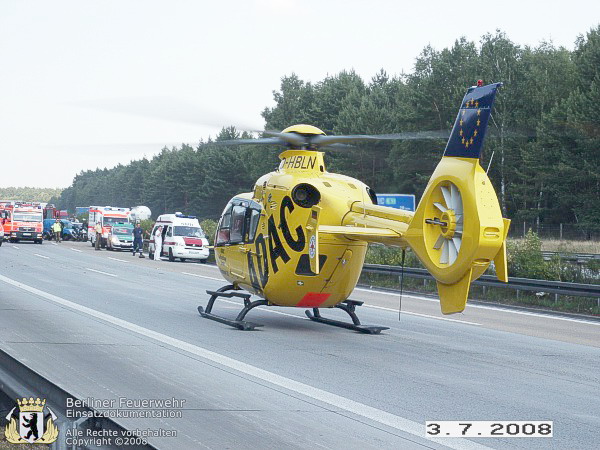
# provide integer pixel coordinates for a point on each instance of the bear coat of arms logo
(31, 426)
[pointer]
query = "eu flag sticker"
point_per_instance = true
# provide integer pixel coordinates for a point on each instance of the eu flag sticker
(471, 123)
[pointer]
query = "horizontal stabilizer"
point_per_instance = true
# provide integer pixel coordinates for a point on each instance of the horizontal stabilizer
(362, 233)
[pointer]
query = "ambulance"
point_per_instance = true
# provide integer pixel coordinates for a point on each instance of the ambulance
(107, 216)
(182, 237)
(23, 221)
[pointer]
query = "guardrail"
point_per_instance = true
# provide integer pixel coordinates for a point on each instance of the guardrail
(579, 258)
(518, 284)
(18, 381)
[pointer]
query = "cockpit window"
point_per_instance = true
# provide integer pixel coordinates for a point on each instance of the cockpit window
(239, 223)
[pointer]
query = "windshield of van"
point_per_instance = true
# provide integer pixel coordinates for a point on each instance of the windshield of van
(110, 221)
(189, 232)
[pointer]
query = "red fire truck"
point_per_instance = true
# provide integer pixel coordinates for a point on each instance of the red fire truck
(107, 216)
(22, 221)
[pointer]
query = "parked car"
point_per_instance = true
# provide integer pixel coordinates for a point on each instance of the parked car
(67, 232)
(120, 237)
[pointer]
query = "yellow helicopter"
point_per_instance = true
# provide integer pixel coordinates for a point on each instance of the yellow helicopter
(299, 238)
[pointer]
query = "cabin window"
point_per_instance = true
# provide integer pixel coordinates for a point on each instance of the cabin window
(253, 216)
(238, 216)
(223, 230)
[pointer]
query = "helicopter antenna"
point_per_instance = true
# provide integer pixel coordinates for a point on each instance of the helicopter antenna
(401, 282)
(490, 163)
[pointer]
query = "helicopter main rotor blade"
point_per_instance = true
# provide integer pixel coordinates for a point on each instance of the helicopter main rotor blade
(410, 135)
(166, 108)
(268, 141)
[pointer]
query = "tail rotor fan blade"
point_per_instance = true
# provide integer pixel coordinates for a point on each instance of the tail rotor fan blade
(445, 252)
(447, 196)
(441, 207)
(453, 196)
(439, 242)
(457, 243)
(458, 206)
(452, 250)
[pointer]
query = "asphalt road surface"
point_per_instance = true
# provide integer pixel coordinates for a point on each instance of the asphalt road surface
(106, 325)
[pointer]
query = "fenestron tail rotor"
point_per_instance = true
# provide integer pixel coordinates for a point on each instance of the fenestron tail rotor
(450, 223)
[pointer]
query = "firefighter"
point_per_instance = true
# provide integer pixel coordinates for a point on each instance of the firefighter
(57, 230)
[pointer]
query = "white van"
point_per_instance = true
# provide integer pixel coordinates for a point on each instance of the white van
(183, 238)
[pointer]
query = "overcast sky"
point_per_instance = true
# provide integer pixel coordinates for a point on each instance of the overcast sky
(73, 73)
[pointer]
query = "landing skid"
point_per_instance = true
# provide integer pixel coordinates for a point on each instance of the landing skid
(239, 321)
(348, 306)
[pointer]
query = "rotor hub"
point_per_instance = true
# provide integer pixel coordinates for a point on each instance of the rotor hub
(449, 227)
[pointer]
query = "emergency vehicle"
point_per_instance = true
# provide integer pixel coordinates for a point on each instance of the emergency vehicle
(107, 216)
(3, 215)
(23, 221)
(182, 237)
(120, 237)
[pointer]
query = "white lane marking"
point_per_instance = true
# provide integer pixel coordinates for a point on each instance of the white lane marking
(422, 315)
(41, 256)
(76, 250)
(99, 271)
(337, 401)
(396, 294)
(117, 259)
(53, 243)
(201, 276)
(545, 316)
(14, 246)
(494, 308)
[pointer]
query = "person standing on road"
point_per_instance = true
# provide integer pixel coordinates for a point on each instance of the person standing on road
(98, 230)
(158, 243)
(57, 230)
(138, 240)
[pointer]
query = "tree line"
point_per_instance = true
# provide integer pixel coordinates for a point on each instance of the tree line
(29, 194)
(542, 148)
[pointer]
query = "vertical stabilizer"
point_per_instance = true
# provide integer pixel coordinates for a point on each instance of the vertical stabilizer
(453, 297)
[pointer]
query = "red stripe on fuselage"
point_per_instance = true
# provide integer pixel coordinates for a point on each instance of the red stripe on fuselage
(313, 300)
